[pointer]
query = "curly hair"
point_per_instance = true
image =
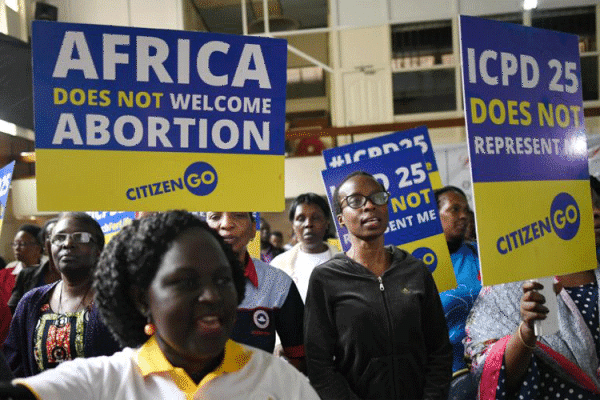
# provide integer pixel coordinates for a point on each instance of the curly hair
(132, 258)
(337, 206)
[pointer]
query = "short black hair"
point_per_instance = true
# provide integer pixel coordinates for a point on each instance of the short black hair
(337, 207)
(132, 258)
(439, 192)
(96, 230)
(309, 198)
(277, 233)
(33, 230)
(595, 184)
(43, 235)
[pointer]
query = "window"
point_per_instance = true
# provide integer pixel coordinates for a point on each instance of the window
(424, 91)
(421, 45)
(423, 68)
(305, 82)
(580, 21)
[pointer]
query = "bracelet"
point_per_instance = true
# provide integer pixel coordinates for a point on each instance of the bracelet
(521, 337)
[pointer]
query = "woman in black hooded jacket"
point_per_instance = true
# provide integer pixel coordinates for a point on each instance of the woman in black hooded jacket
(374, 323)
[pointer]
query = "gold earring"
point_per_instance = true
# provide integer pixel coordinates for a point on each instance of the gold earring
(149, 329)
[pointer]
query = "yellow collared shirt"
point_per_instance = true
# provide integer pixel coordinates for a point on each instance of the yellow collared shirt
(145, 373)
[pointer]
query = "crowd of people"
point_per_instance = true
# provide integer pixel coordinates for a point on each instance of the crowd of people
(174, 306)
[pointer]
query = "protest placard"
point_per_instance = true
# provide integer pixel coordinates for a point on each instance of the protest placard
(413, 223)
(392, 143)
(134, 119)
(5, 179)
(527, 144)
(112, 222)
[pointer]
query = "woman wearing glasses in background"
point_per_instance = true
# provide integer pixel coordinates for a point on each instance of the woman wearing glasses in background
(59, 322)
(374, 324)
(27, 249)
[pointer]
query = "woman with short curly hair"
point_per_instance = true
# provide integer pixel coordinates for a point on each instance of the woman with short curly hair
(130, 263)
(170, 286)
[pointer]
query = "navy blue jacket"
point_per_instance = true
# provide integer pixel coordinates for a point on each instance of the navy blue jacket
(19, 345)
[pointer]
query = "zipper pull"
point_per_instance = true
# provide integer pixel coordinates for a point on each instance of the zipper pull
(380, 283)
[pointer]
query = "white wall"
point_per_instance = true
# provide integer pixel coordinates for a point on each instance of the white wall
(165, 14)
(303, 174)
(423, 10)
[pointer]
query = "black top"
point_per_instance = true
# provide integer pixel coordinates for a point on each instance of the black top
(28, 278)
(370, 337)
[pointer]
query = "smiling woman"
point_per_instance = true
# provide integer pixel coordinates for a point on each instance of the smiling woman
(168, 285)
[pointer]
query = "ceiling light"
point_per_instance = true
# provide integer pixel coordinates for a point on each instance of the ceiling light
(529, 4)
(8, 127)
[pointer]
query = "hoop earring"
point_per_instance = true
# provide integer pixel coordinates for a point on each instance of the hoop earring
(149, 329)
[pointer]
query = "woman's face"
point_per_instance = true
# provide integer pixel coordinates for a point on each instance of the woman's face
(454, 215)
(236, 228)
(310, 225)
(192, 299)
(73, 258)
(370, 220)
(26, 248)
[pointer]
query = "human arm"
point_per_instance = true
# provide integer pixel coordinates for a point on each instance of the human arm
(9, 390)
(72, 380)
(438, 371)
(13, 345)
(320, 338)
(520, 347)
(289, 322)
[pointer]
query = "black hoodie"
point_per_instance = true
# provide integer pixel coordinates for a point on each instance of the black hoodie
(376, 338)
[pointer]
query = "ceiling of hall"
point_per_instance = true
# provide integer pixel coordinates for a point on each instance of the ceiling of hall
(225, 16)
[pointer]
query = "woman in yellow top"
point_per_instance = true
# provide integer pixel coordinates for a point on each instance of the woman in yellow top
(168, 287)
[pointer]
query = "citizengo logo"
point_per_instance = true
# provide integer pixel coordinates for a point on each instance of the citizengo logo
(200, 179)
(564, 220)
(565, 216)
(428, 256)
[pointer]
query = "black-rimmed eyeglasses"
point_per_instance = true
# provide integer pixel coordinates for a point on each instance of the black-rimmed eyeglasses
(358, 200)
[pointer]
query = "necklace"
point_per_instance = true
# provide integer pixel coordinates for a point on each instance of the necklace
(59, 311)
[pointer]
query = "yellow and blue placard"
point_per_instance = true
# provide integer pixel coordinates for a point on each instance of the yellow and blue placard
(528, 149)
(112, 222)
(414, 223)
(381, 145)
(132, 119)
(5, 179)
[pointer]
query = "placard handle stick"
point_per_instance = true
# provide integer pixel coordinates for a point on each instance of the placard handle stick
(549, 325)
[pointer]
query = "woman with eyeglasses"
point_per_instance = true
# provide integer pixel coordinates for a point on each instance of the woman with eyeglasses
(59, 322)
(374, 324)
(169, 287)
(28, 251)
